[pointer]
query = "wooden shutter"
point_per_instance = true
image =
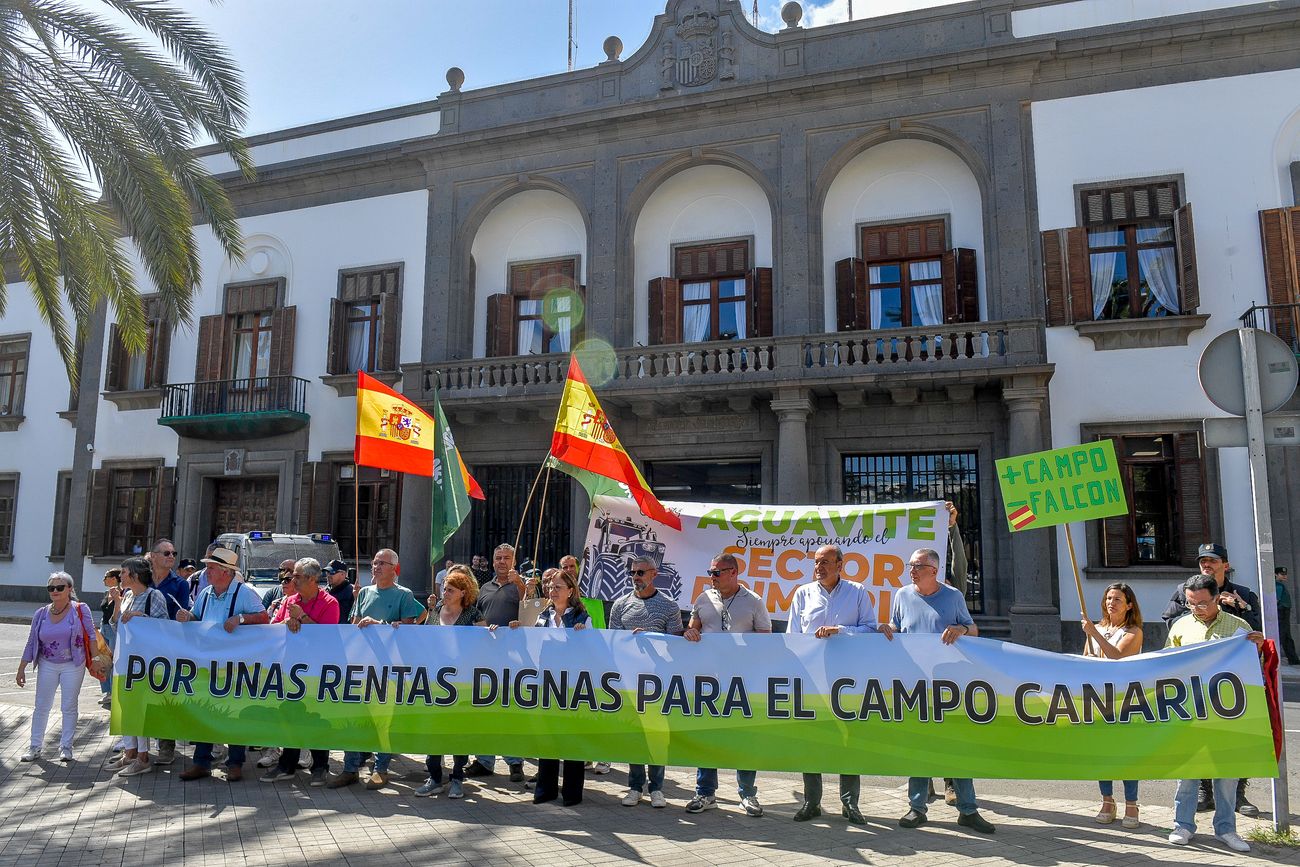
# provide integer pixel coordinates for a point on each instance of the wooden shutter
(165, 507)
(851, 295)
(315, 498)
(1279, 233)
(1188, 287)
(710, 261)
(336, 345)
(114, 379)
(1194, 525)
(389, 330)
(760, 302)
(209, 365)
(903, 240)
(1117, 530)
(500, 325)
(283, 327)
(97, 512)
(1067, 278)
(156, 376)
(665, 311)
(960, 286)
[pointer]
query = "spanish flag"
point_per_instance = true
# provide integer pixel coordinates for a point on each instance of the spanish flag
(392, 432)
(585, 446)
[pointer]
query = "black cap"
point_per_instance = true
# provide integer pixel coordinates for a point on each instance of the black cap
(188, 563)
(1280, 570)
(336, 566)
(1212, 549)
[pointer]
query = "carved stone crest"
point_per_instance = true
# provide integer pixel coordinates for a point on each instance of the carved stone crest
(697, 61)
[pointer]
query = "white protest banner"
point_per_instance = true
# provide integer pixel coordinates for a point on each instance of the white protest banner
(774, 546)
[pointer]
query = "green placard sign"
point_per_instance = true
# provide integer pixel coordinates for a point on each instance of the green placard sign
(1061, 486)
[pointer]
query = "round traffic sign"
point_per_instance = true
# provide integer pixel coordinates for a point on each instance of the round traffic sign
(1220, 371)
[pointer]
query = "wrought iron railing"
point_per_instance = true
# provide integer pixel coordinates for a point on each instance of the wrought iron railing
(1280, 319)
(259, 394)
(982, 344)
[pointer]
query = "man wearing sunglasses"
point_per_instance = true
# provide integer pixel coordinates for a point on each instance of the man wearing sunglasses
(645, 609)
(728, 606)
(176, 590)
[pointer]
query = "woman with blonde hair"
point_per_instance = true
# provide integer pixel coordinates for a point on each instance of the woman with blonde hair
(1116, 636)
(56, 643)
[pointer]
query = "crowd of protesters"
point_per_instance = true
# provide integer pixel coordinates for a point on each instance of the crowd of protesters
(1204, 607)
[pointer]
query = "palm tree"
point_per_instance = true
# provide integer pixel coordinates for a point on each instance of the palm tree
(97, 120)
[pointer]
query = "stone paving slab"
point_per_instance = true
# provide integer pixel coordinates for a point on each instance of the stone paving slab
(78, 814)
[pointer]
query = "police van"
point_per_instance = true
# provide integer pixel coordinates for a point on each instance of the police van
(261, 552)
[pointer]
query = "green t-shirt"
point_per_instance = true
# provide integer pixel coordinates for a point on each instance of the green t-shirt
(388, 605)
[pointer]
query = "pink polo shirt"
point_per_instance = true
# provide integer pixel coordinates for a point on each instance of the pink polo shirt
(323, 609)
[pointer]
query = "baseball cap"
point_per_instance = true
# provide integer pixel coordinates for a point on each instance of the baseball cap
(1212, 549)
(336, 566)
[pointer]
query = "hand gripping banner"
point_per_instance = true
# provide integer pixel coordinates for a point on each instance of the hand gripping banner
(848, 704)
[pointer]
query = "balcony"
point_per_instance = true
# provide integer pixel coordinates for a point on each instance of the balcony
(842, 363)
(236, 409)
(1280, 319)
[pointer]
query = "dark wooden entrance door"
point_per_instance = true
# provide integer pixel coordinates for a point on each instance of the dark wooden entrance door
(243, 505)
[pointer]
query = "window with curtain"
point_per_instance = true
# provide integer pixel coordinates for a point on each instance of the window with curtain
(251, 347)
(363, 320)
(8, 512)
(1132, 250)
(13, 374)
(134, 492)
(545, 309)
(904, 273)
(715, 291)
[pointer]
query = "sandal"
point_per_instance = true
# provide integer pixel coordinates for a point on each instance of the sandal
(1131, 821)
(1107, 813)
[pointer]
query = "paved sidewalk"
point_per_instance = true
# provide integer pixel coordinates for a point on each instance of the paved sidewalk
(52, 815)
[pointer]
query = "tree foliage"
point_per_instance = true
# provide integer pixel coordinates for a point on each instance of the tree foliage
(99, 111)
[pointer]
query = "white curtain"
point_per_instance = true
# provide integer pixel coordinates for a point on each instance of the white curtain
(530, 337)
(695, 323)
(737, 308)
(1103, 280)
(1160, 267)
(358, 346)
(563, 327)
(876, 309)
(135, 372)
(928, 298)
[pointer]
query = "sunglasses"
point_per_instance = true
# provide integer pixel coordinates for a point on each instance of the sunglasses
(714, 573)
(57, 588)
(286, 579)
(639, 572)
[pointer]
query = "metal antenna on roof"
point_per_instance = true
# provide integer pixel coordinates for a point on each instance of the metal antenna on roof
(755, 13)
(850, 10)
(572, 44)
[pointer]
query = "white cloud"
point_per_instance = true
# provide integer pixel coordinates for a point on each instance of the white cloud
(820, 14)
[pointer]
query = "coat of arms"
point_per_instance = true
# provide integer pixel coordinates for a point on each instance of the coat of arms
(697, 61)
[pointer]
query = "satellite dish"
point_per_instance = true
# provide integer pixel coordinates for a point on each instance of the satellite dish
(1220, 372)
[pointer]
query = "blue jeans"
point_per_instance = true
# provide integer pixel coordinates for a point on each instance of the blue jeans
(352, 762)
(636, 777)
(918, 794)
(489, 762)
(1130, 789)
(706, 782)
(1225, 805)
(234, 758)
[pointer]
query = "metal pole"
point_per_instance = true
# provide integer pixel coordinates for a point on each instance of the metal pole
(1264, 544)
(850, 10)
(571, 35)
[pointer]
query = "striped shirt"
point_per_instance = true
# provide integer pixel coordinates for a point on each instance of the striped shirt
(1188, 630)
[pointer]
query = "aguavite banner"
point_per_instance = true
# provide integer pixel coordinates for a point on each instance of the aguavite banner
(847, 704)
(774, 546)
(1061, 486)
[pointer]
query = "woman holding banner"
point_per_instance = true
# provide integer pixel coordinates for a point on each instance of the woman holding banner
(141, 599)
(565, 611)
(457, 608)
(1117, 635)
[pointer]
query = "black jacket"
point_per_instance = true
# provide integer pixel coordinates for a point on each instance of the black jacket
(1177, 606)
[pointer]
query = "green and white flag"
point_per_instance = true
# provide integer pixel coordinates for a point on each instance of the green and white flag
(452, 485)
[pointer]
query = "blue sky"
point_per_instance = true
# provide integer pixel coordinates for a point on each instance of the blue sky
(311, 60)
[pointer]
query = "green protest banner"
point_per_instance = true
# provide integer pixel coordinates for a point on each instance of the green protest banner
(1061, 486)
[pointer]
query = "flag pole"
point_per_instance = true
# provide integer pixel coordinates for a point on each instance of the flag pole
(1074, 565)
(541, 516)
(356, 515)
(523, 517)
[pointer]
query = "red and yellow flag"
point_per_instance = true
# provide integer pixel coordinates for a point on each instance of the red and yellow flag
(585, 446)
(392, 432)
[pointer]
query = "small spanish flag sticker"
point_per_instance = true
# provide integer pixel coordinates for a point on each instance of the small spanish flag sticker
(1022, 518)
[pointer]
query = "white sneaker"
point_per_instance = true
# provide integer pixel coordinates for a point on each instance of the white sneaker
(657, 799)
(32, 755)
(1180, 836)
(631, 799)
(602, 768)
(270, 756)
(136, 768)
(65, 754)
(1233, 842)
